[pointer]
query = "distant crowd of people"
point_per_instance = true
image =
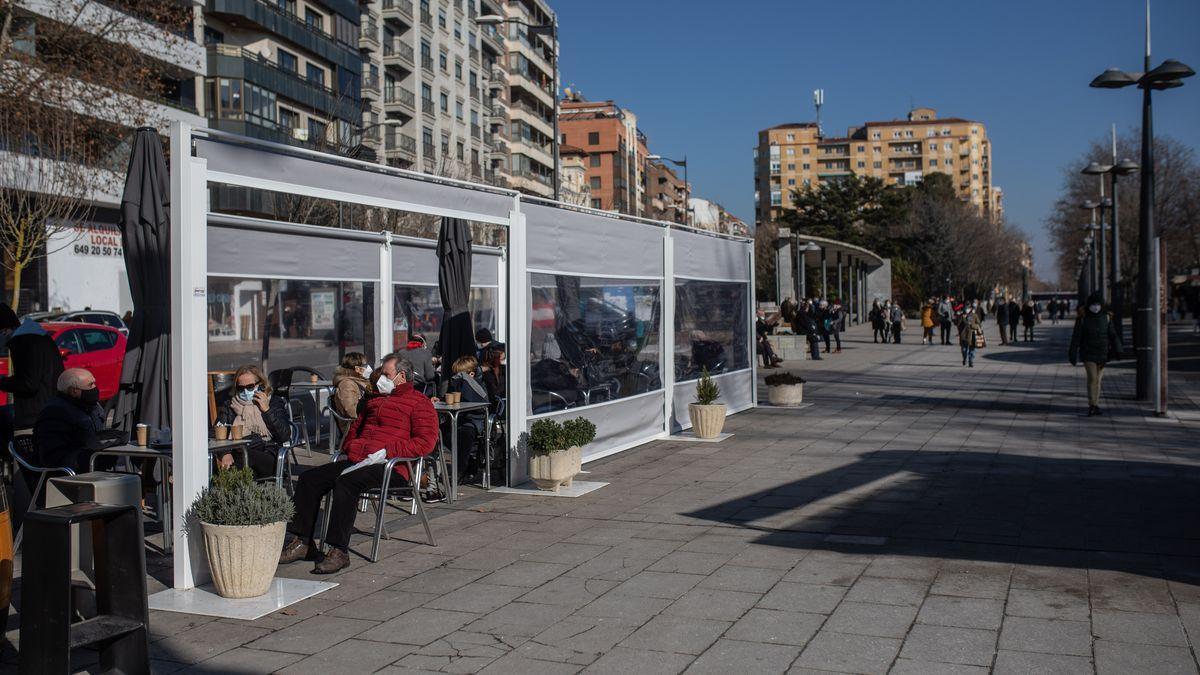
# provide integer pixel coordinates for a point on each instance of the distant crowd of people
(820, 321)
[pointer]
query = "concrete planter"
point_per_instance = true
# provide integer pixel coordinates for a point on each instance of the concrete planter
(786, 395)
(243, 558)
(707, 420)
(556, 469)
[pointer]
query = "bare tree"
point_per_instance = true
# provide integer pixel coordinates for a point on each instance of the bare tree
(70, 90)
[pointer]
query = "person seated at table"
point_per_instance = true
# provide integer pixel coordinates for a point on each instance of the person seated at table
(350, 384)
(399, 420)
(68, 429)
(468, 381)
(495, 374)
(417, 352)
(263, 418)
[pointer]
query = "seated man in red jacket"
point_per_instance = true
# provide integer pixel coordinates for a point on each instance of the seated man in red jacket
(401, 421)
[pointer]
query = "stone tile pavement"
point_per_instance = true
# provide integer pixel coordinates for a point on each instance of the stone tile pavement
(919, 517)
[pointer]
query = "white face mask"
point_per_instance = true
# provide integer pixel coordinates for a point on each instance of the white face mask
(366, 371)
(1094, 309)
(385, 385)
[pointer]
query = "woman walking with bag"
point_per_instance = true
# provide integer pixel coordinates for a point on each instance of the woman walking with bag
(970, 334)
(1095, 340)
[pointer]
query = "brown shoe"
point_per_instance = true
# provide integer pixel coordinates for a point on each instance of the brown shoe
(335, 560)
(294, 549)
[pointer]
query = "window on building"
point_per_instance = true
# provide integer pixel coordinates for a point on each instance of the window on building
(288, 6)
(933, 162)
(427, 138)
(791, 137)
(949, 161)
(933, 146)
(474, 80)
(776, 198)
(862, 148)
(875, 135)
(445, 144)
(287, 61)
(462, 151)
(806, 166)
(315, 74)
(791, 181)
(804, 151)
(316, 130)
(426, 50)
(593, 138)
(458, 31)
(444, 102)
(974, 131)
(444, 61)
(289, 119)
(441, 17)
(594, 160)
(806, 182)
(862, 165)
(594, 182)
(791, 167)
(314, 19)
(597, 204)
(877, 165)
(458, 110)
(908, 133)
(458, 70)
(791, 151)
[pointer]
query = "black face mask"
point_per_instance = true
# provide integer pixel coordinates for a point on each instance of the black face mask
(89, 397)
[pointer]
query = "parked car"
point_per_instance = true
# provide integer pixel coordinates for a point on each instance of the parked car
(104, 318)
(99, 349)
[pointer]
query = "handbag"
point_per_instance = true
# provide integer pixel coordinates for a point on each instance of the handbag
(980, 340)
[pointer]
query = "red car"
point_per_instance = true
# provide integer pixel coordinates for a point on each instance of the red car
(99, 349)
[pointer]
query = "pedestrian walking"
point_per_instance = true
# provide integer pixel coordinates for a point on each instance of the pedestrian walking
(897, 321)
(970, 334)
(1029, 317)
(1002, 320)
(875, 316)
(945, 311)
(805, 324)
(927, 322)
(1052, 311)
(1095, 341)
(1014, 318)
(837, 323)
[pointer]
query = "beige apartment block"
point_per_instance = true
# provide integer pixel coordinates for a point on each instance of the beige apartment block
(791, 157)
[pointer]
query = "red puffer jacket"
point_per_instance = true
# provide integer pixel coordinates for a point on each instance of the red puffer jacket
(403, 422)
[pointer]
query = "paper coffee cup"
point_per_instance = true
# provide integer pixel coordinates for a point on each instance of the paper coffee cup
(143, 433)
(222, 432)
(235, 432)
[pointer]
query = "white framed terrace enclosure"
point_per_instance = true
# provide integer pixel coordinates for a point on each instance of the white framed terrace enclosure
(607, 317)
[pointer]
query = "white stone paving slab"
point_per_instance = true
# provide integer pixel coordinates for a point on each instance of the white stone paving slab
(578, 488)
(204, 600)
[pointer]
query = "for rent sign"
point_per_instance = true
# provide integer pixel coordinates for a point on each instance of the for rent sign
(95, 239)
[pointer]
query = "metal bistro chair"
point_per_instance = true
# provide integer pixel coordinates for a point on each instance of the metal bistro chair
(21, 446)
(295, 408)
(379, 500)
(335, 430)
(286, 452)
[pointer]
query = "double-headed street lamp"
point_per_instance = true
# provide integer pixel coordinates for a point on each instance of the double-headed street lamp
(687, 187)
(1116, 169)
(550, 29)
(1168, 75)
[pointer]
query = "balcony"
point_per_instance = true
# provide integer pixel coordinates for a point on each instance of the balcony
(368, 36)
(544, 92)
(426, 18)
(498, 113)
(400, 9)
(475, 130)
(272, 18)
(427, 63)
(429, 151)
(400, 97)
(428, 108)
(490, 38)
(473, 52)
(400, 145)
(236, 63)
(370, 86)
(396, 52)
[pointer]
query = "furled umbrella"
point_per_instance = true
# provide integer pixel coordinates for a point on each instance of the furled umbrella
(457, 338)
(144, 396)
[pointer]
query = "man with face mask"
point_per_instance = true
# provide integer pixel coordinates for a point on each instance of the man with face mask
(1095, 341)
(67, 431)
(34, 366)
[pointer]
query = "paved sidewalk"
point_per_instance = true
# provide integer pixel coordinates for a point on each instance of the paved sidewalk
(919, 517)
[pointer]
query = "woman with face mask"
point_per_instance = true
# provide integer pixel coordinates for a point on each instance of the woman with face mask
(350, 383)
(1096, 342)
(263, 418)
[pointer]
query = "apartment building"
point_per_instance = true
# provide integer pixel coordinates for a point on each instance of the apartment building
(573, 176)
(791, 157)
(83, 265)
(665, 193)
(616, 152)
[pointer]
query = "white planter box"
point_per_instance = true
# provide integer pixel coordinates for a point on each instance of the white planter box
(707, 420)
(243, 558)
(556, 469)
(786, 395)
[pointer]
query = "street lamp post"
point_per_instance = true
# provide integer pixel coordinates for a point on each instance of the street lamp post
(537, 29)
(687, 187)
(1168, 75)
(1096, 230)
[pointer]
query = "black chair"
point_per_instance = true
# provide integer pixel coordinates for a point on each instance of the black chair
(22, 449)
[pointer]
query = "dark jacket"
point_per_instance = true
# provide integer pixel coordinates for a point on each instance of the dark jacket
(1094, 339)
(803, 323)
(1028, 315)
(1014, 313)
(403, 423)
(276, 419)
(1001, 313)
(422, 360)
(67, 434)
(33, 378)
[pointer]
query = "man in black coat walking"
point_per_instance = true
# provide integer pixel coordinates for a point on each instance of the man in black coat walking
(35, 364)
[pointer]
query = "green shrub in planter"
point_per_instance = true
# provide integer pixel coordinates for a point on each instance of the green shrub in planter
(548, 436)
(707, 391)
(784, 379)
(579, 432)
(233, 498)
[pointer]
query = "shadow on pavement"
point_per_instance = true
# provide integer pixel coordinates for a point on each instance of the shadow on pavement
(1139, 517)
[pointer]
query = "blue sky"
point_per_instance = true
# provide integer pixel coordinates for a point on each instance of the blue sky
(704, 79)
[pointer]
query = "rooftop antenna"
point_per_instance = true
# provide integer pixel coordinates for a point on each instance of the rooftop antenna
(818, 101)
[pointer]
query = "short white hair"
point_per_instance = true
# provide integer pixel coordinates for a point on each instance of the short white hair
(75, 378)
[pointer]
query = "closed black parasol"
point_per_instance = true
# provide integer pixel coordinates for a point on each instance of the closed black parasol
(454, 285)
(145, 394)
